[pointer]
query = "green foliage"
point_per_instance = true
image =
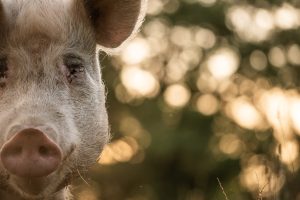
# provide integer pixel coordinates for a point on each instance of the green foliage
(178, 151)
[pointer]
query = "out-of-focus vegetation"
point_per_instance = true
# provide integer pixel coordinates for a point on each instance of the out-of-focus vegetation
(208, 90)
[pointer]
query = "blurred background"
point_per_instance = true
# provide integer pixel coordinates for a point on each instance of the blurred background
(204, 105)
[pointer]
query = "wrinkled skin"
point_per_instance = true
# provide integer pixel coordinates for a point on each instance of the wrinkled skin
(50, 80)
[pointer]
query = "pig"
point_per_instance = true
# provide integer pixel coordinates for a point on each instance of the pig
(53, 119)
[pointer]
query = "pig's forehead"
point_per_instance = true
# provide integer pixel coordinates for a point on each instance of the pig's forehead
(20, 3)
(53, 19)
(25, 11)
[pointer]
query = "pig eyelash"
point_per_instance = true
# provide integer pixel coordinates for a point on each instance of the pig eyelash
(74, 66)
(73, 71)
(3, 67)
(3, 71)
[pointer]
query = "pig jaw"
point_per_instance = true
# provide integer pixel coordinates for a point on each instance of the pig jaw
(61, 195)
(77, 157)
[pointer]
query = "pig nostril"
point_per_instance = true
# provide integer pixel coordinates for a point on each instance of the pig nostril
(43, 150)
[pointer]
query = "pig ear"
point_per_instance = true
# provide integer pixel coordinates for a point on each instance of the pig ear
(115, 20)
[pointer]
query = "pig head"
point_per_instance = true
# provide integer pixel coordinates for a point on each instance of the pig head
(53, 120)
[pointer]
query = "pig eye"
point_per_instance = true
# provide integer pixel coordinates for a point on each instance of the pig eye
(74, 66)
(3, 67)
(3, 71)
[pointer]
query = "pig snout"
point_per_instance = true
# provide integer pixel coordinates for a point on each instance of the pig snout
(30, 153)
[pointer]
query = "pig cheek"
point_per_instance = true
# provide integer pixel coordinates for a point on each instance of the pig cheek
(94, 135)
(91, 143)
(5, 118)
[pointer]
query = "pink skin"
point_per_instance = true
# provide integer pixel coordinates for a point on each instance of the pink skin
(30, 153)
